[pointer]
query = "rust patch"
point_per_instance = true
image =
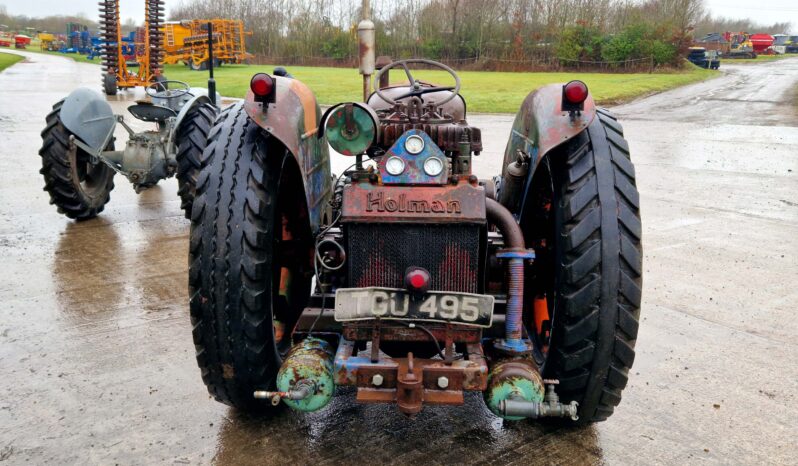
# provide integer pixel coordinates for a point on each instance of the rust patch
(227, 371)
(308, 101)
(440, 204)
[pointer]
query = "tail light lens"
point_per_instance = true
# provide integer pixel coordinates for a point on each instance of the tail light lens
(575, 92)
(262, 85)
(417, 279)
(574, 95)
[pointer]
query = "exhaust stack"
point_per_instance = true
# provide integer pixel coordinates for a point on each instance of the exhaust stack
(366, 45)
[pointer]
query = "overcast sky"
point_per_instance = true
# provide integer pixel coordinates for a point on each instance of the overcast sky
(762, 11)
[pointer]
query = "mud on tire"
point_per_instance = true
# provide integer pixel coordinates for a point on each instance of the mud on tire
(234, 258)
(192, 137)
(77, 187)
(595, 251)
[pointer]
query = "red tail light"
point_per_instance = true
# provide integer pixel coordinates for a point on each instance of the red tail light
(262, 85)
(417, 279)
(575, 92)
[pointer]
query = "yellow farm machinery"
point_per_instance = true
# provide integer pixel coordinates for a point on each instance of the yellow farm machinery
(187, 42)
(116, 72)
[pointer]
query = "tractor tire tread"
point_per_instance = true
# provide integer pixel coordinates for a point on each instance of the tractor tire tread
(191, 139)
(230, 254)
(593, 347)
(57, 172)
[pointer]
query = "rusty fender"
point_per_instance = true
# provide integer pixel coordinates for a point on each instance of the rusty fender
(294, 119)
(541, 125)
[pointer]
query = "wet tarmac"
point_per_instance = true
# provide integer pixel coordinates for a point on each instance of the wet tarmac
(97, 364)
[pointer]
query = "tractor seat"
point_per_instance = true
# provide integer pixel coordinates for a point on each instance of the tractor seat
(147, 111)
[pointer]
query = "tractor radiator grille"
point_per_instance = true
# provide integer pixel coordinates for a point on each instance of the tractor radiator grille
(379, 254)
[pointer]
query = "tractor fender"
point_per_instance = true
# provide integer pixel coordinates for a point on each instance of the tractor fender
(541, 125)
(87, 115)
(294, 119)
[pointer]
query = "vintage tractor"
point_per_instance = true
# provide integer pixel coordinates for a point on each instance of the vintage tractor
(78, 156)
(407, 276)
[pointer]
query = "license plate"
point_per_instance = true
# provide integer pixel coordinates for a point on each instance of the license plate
(353, 304)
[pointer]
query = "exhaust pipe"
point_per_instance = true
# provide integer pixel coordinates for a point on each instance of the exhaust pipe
(366, 46)
(515, 252)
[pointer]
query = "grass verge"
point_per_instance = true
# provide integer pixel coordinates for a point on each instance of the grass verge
(486, 92)
(8, 59)
(752, 61)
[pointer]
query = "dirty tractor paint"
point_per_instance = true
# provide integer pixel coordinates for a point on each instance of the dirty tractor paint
(406, 276)
(307, 371)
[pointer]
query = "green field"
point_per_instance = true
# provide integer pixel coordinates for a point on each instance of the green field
(488, 92)
(8, 59)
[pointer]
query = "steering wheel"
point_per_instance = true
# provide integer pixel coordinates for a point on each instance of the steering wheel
(417, 89)
(161, 90)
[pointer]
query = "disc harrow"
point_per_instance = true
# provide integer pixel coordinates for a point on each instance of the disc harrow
(149, 46)
(109, 33)
(155, 20)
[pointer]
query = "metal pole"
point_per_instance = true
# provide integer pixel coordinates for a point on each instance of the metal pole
(366, 45)
(211, 81)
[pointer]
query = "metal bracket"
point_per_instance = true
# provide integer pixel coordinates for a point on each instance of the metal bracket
(375, 342)
(520, 346)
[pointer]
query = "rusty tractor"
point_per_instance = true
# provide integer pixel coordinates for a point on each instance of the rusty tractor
(406, 275)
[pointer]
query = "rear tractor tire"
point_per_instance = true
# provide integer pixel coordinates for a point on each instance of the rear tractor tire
(246, 290)
(588, 267)
(191, 139)
(79, 187)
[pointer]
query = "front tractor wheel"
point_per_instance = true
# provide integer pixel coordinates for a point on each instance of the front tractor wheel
(588, 273)
(79, 186)
(248, 282)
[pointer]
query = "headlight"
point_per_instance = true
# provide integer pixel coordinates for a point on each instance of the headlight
(414, 144)
(395, 166)
(433, 166)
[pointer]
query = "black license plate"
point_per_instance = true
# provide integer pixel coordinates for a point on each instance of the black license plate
(353, 304)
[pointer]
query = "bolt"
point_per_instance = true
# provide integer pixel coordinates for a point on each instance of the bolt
(377, 380)
(443, 382)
